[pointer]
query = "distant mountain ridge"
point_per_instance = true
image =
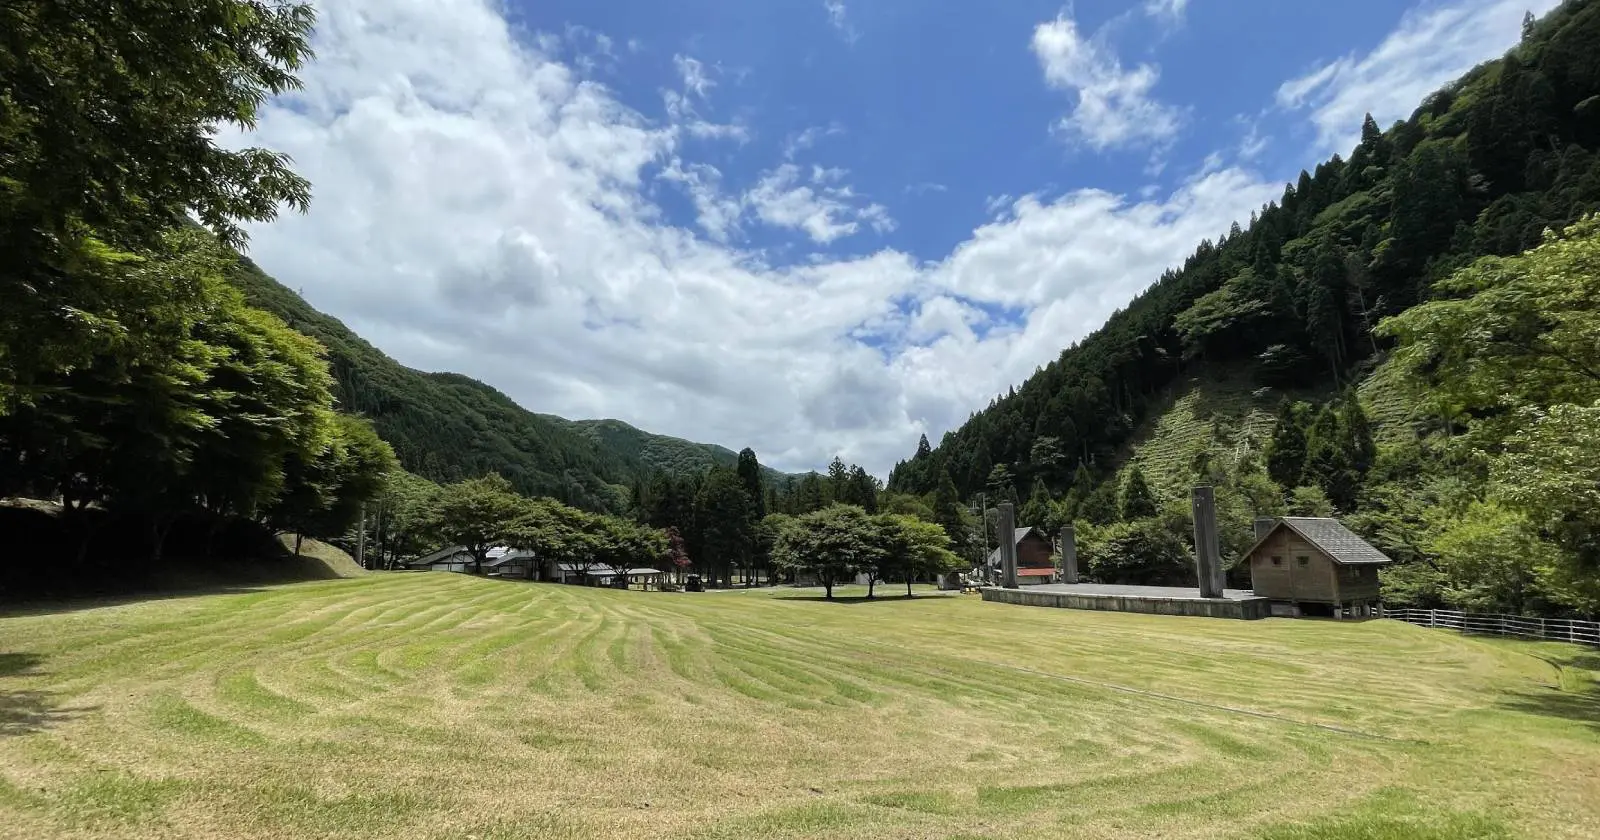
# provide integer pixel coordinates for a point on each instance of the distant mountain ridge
(447, 426)
(671, 455)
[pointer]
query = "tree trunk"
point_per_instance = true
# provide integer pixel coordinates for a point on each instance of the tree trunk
(298, 539)
(908, 584)
(160, 527)
(872, 581)
(827, 586)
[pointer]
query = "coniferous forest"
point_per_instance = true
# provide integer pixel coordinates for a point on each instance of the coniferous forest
(1397, 266)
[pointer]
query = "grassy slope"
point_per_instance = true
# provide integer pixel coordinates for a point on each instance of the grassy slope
(433, 706)
(1213, 409)
(1226, 410)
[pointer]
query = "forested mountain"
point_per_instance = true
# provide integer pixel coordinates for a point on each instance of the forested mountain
(647, 452)
(447, 427)
(1291, 301)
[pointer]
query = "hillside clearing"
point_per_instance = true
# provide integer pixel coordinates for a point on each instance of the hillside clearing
(435, 705)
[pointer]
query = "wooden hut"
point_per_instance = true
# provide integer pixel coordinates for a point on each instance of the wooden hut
(1314, 566)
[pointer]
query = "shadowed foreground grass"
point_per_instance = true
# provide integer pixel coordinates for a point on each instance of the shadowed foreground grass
(439, 706)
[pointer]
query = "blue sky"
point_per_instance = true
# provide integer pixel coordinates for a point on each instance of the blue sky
(938, 108)
(814, 227)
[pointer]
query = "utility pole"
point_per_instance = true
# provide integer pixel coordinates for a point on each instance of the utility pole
(983, 522)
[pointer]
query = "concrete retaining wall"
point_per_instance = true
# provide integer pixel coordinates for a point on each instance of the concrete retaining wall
(1251, 608)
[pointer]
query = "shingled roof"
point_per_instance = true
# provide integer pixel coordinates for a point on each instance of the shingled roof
(1330, 536)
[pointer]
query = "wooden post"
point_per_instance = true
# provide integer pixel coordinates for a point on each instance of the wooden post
(1008, 545)
(1069, 554)
(1207, 547)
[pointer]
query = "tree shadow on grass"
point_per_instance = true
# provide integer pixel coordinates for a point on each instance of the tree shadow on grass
(1576, 696)
(1580, 707)
(23, 712)
(852, 600)
(68, 603)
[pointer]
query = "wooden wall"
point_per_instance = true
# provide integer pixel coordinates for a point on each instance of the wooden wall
(1304, 573)
(1034, 552)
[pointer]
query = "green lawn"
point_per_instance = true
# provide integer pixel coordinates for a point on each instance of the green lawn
(439, 706)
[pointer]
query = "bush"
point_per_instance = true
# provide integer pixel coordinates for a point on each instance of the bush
(1145, 551)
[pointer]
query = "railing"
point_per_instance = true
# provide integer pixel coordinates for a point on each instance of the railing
(1574, 630)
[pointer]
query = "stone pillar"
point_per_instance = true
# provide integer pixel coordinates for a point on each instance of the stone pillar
(1264, 526)
(1207, 548)
(1069, 554)
(1008, 545)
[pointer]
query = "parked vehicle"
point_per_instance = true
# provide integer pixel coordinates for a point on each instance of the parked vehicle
(692, 584)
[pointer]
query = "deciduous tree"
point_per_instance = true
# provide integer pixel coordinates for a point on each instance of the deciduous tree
(477, 514)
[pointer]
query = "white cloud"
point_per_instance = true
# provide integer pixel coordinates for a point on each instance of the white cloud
(1254, 142)
(682, 111)
(809, 138)
(480, 208)
(1171, 11)
(693, 73)
(838, 18)
(824, 212)
(1434, 44)
(1114, 107)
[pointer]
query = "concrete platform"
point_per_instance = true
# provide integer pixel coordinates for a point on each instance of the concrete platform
(1152, 600)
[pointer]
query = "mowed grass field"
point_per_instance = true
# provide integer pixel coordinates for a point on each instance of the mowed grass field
(440, 706)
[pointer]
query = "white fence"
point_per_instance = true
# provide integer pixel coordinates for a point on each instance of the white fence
(1573, 630)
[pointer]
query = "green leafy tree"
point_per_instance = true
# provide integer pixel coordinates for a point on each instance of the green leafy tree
(767, 533)
(1039, 511)
(1136, 501)
(948, 510)
(1550, 473)
(1508, 332)
(1492, 560)
(1046, 457)
(723, 518)
(109, 119)
(396, 517)
(838, 489)
(1357, 433)
(557, 533)
(810, 495)
(1286, 452)
(1100, 506)
(1309, 501)
(907, 505)
(1329, 463)
(1083, 484)
(476, 514)
(1001, 485)
(863, 489)
(911, 547)
(749, 470)
(829, 543)
(1148, 551)
(323, 494)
